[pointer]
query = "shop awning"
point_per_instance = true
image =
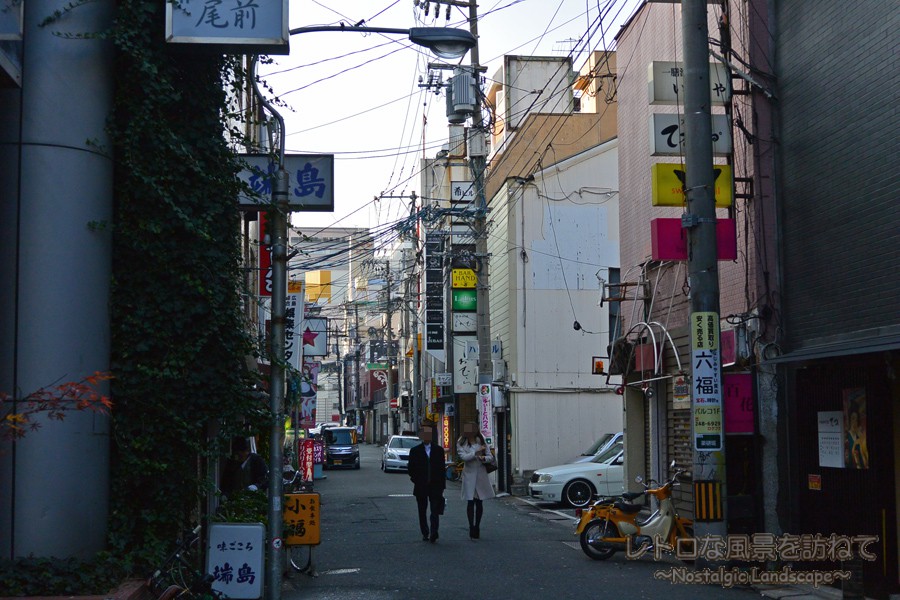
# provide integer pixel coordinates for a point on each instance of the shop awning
(865, 345)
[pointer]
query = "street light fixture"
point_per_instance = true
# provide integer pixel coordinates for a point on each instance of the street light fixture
(446, 43)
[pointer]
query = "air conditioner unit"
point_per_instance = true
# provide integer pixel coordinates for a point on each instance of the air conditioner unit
(498, 370)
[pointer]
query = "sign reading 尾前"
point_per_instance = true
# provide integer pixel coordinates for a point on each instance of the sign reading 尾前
(242, 25)
(310, 181)
(12, 19)
(707, 427)
(234, 559)
(301, 518)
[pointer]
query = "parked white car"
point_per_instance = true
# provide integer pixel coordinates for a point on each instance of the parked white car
(395, 454)
(576, 484)
(599, 447)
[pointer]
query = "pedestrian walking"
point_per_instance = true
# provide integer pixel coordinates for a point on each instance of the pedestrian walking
(426, 470)
(473, 450)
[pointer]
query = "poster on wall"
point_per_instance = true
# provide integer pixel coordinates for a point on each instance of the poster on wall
(856, 450)
(831, 438)
(309, 388)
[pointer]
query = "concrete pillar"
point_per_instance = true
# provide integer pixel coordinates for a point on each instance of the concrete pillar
(54, 323)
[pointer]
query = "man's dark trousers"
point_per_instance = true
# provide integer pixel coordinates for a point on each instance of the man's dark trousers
(427, 475)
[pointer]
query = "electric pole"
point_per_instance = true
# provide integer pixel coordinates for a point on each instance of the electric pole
(703, 276)
(477, 161)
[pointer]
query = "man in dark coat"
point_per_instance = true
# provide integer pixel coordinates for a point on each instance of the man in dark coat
(426, 470)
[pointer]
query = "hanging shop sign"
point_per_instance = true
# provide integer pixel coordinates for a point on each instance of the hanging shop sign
(244, 27)
(668, 181)
(310, 181)
(669, 241)
(12, 15)
(666, 82)
(464, 300)
(463, 279)
(667, 135)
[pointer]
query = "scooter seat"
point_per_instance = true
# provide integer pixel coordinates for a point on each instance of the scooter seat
(625, 507)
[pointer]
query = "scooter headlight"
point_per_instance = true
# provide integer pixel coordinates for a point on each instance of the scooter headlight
(544, 477)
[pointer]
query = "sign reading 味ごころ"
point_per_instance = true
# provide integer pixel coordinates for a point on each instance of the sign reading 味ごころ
(246, 27)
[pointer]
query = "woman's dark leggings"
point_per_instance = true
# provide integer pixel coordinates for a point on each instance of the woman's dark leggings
(474, 510)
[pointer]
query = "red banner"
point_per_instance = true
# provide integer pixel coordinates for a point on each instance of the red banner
(307, 459)
(265, 259)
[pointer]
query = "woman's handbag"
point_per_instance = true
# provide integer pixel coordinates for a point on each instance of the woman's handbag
(490, 467)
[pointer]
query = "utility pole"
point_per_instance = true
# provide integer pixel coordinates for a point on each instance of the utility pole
(703, 276)
(477, 162)
(390, 345)
(417, 373)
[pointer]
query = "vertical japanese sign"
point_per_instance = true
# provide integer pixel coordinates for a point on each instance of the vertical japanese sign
(235, 559)
(309, 389)
(485, 412)
(301, 519)
(307, 459)
(434, 297)
(293, 325)
(707, 382)
(265, 259)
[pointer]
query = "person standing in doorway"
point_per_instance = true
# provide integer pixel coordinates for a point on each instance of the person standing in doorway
(476, 487)
(426, 470)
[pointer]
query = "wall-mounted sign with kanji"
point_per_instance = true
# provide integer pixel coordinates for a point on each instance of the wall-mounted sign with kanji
(302, 519)
(234, 558)
(239, 26)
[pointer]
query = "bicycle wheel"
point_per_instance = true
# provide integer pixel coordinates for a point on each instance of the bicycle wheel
(297, 558)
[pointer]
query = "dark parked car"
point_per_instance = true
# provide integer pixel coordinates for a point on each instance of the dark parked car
(341, 449)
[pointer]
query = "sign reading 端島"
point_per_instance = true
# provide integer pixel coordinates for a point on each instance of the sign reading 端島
(234, 558)
(707, 382)
(310, 181)
(245, 25)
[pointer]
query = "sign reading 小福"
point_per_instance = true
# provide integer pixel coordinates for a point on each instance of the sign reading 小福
(253, 27)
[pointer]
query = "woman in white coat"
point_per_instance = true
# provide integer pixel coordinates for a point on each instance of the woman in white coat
(476, 486)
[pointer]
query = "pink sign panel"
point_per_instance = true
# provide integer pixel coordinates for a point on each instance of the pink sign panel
(669, 240)
(738, 396)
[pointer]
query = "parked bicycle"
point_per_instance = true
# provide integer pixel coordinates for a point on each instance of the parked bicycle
(454, 470)
(181, 575)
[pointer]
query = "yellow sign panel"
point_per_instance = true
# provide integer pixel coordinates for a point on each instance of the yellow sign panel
(302, 518)
(668, 185)
(705, 331)
(464, 279)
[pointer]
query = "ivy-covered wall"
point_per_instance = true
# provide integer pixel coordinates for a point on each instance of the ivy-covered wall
(178, 341)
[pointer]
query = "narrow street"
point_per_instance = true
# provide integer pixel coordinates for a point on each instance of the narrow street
(371, 548)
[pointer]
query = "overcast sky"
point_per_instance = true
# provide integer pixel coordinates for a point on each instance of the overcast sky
(358, 95)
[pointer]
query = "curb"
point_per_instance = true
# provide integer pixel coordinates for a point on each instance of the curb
(134, 589)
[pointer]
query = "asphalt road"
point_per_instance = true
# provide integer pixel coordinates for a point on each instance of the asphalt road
(371, 548)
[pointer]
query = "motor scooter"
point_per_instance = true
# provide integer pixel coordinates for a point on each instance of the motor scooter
(611, 525)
